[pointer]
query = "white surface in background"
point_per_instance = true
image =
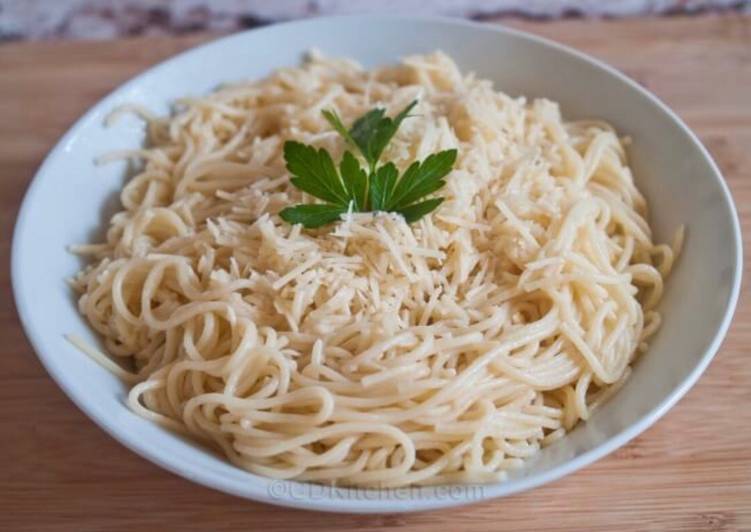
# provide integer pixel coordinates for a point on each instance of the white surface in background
(102, 19)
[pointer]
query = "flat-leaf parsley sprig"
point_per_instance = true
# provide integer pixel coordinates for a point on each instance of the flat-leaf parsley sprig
(377, 188)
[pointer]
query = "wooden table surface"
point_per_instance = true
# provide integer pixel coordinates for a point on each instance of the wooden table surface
(691, 471)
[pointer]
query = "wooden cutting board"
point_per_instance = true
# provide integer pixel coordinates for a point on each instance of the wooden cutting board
(691, 471)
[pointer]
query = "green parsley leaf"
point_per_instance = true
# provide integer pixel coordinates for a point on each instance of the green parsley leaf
(356, 181)
(362, 131)
(373, 131)
(382, 185)
(421, 179)
(414, 212)
(336, 123)
(312, 215)
(314, 172)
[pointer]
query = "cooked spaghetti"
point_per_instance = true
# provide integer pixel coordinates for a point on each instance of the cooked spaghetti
(372, 352)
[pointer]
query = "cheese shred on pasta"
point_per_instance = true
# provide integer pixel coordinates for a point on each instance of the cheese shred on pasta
(372, 352)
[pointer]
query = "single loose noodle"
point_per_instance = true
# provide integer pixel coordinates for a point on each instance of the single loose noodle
(372, 352)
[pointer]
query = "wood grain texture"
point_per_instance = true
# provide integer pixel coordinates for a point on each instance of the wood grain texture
(691, 471)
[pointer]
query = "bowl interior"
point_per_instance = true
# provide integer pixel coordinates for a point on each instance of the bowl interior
(71, 198)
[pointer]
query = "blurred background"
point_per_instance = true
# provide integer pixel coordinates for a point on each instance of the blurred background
(109, 19)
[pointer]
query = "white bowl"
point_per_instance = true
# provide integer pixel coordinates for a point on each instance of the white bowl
(70, 199)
